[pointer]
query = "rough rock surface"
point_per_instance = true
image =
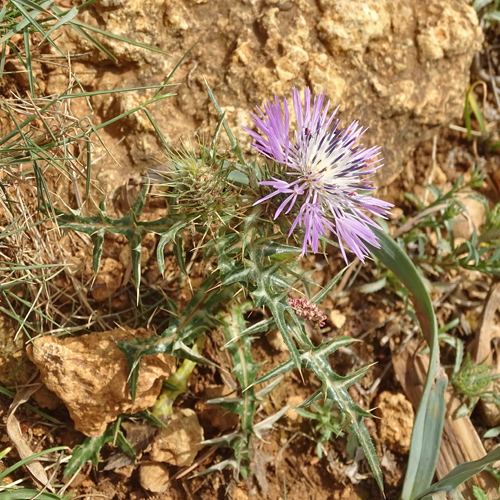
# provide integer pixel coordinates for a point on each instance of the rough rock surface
(108, 280)
(472, 219)
(179, 443)
(395, 423)
(400, 67)
(89, 373)
(154, 477)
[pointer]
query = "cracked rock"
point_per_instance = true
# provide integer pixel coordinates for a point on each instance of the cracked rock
(89, 373)
(179, 443)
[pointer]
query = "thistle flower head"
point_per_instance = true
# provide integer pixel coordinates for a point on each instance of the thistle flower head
(327, 172)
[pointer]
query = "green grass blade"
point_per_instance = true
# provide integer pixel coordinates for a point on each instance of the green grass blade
(467, 116)
(10, 394)
(2, 59)
(107, 34)
(434, 422)
(63, 20)
(460, 474)
(18, 27)
(477, 112)
(26, 460)
(88, 169)
(418, 474)
(26, 494)
(235, 147)
(32, 5)
(98, 45)
(157, 129)
(27, 15)
(28, 61)
(181, 60)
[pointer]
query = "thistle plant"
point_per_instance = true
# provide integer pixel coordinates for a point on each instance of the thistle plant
(316, 181)
(327, 422)
(473, 380)
(321, 177)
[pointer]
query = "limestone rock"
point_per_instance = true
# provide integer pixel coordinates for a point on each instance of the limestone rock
(154, 477)
(293, 402)
(108, 279)
(239, 494)
(401, 67)
(179, 443)
(350, 25)
(395, 424)
(47, 399)
(473, 218)
(490, 410)
(337, 319)
(275, 340)
(89, 373)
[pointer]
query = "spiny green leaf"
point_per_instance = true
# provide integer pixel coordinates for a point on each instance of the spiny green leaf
(165, 238)
(274, 248)
(245, 369)
(180, 254)
(226, 439)
(261, 326)
(139, 203)
(218, 467)
(336, 389)
(268, 423)
(323, 350)
(319, 394)
(135, 243)
(91, 447)
(366, 443)
(193, 322)
(181, 350)
(277, 310)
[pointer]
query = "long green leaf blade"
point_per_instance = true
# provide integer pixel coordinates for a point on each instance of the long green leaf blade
(460, 474)
(422, 451)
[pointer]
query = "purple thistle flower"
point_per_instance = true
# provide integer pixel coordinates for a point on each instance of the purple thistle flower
(328, 173)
